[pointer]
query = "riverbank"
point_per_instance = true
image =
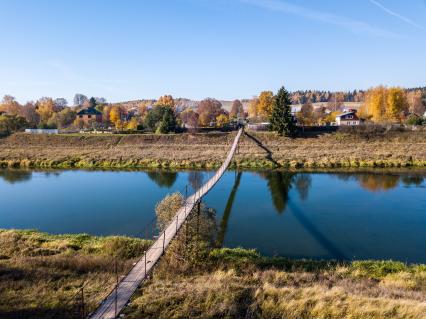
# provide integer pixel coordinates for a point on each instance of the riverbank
(256, 150)
(40, 273)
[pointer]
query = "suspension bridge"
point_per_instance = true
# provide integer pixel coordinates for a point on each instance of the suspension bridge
(112, 306)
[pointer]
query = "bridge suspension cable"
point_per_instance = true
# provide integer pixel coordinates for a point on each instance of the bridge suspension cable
(123, 291)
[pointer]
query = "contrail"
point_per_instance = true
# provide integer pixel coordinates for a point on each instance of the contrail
(355, 26)
(396, 15)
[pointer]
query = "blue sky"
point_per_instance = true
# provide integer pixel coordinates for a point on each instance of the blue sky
(129, 49)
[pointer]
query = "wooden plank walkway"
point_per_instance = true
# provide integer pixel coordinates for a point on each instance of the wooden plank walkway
(120, 296)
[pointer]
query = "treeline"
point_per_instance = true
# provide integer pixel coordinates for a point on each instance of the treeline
(381, 105)
(309, 96)
(316, 96)
(161, 116)
(44, 113)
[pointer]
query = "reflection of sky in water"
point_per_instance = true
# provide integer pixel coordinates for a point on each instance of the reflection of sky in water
(341, 215)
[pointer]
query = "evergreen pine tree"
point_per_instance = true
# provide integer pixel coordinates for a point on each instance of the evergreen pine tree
(281, 119)
(92, 102)
(168, 122)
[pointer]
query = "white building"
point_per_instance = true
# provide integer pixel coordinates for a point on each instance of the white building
(348, 118)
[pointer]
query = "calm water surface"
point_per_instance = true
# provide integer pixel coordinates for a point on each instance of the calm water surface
(314, 215)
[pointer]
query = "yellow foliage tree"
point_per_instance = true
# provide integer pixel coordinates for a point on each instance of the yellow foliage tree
(383, 104)
(119, 125)
(45, 108)
(166, 100)
(115, 115)
(222, 120)
(11, 106)
(266, 102)
(331, 117)
(132, 124)
(253, 107)
(397, 104)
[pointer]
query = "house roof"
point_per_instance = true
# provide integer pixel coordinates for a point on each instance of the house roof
(355, 117)
(89, 111)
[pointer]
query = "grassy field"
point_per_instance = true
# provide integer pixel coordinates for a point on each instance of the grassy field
(257, 150)
(40, 274)
(240, 284)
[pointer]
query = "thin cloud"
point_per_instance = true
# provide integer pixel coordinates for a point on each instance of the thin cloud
(396, 15)
(352, 25)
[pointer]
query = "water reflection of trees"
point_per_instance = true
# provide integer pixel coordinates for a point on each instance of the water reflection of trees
(377, 182)
(195, 179)
(164, 179)
(279, 185)
(15, 176)
(227, 212)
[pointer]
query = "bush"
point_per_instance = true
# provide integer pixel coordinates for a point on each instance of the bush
(415, 120)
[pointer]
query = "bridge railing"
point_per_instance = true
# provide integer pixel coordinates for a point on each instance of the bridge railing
(173, 227)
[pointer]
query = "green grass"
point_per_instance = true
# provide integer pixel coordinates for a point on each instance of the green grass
(40, 273)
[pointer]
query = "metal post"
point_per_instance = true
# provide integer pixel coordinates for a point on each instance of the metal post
(145, 264)
(83, 312)
(116, 287)
(164, 240)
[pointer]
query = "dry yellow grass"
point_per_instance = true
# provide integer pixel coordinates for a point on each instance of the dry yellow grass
(209, 150)
(275, 294)
(40, 274)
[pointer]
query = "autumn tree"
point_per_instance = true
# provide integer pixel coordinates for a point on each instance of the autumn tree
(132, 124)
(319, 114)
(306, 114)
(60, 103)
(189, 118)
(106, 110)
(79, 99)
(208, 110)
(383, 104)
(10, 106)
(115, 115)
(78, 123)
(222, 120)
(30, 114)
(12, 123)
(266, 103)
(165, 100)
(396, 104)
(253, 107)
(416, 103)
(237, 109)
(143, 108)
(280, 118)
(62, 119)
(45, 107)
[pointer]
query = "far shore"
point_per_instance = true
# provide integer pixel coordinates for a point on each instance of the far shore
(207, 151)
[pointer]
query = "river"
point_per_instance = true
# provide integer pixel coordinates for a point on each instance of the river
(322, 215)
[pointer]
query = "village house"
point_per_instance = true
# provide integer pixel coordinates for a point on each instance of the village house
(347, 118)
(89, 115)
